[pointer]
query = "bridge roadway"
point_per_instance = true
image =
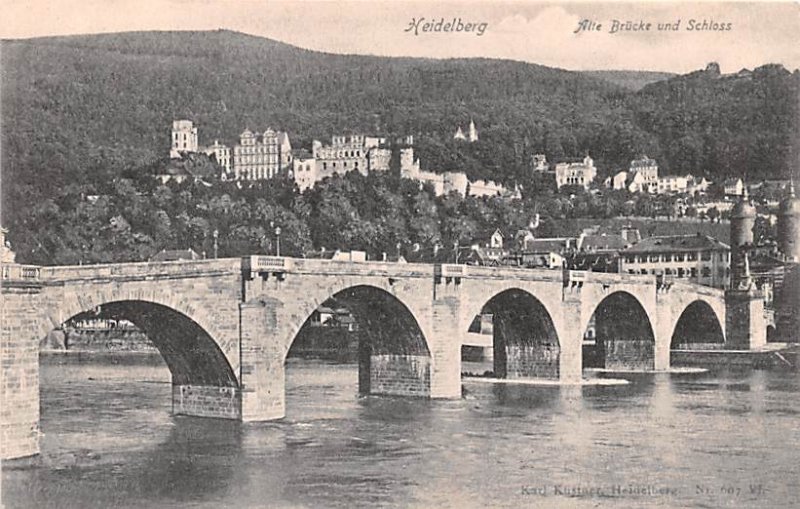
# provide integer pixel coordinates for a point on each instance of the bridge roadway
(224, 327)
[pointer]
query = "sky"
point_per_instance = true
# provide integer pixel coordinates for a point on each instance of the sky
(740, 35)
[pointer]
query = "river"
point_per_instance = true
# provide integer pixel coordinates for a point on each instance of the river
(727, 438)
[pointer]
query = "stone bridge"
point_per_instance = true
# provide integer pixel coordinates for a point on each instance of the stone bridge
(224, 327)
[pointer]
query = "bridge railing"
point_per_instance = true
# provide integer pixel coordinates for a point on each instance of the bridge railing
(17, 272)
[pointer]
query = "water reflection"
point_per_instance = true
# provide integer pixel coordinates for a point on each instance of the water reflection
(111, 441)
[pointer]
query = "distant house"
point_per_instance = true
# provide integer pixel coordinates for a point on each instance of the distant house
(644, 175)
(734, 187)
(172, 255)
(575, 173)
(546, 254)
(618, 180)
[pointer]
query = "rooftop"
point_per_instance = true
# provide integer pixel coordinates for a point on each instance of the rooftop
(672, 243)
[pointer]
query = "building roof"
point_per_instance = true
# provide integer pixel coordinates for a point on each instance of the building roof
(486, 236)
(551, 245)
(301, 153)
(672, 243)
(175, 254)
(732, 181)
(602, 242)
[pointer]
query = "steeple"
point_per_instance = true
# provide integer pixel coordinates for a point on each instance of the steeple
(473, 133)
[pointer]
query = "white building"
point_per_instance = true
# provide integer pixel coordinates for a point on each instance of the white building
(672, 184)
(264, 157)
(576, 173)
(734, 187)
(618, 180)
(643, 175)
(184, 138)
(222, 154)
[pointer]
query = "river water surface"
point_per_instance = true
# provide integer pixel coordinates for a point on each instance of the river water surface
(727, 438)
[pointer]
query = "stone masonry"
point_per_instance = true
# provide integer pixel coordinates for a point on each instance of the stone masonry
(224, 327)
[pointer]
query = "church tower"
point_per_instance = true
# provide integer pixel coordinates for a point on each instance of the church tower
(473, 133)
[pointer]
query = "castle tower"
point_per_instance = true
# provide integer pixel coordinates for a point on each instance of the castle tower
(184, 138)
(789, 226)
(745, 326)
(459, 135)
(473, 133)
(743, 218)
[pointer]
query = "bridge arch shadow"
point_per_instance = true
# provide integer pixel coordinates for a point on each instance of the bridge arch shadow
(203, 381)
(619, 335)
(372, 326)
(524, 339)
(698, 327)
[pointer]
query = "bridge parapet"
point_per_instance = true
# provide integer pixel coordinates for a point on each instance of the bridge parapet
(705, 291)
(275, 265)
(138, 270)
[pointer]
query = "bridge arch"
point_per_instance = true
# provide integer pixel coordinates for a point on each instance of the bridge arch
(393, 353)
(189, 351)
(698, 326)
(624, 335)
(524, 337)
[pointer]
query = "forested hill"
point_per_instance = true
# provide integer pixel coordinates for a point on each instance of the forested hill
(634, 80)
(738, 124)
(81, 109)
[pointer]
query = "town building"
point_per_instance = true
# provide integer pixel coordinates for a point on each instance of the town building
(733, 187)
(547, 253)
(697, 258)
(643, 175)
(184, 138)
(672, 184)
(618, 180)
(576, 173)
(489, 248)
(264, 157)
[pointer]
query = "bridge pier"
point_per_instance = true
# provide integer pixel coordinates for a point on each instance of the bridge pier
(744, 316)
(19, 361)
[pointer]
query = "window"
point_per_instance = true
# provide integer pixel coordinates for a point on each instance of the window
(705, 256)
(694, 272)
(706, 272)
(681, 272)
(668, 272)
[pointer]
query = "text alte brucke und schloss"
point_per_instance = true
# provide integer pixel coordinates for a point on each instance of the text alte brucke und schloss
(616, 26)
